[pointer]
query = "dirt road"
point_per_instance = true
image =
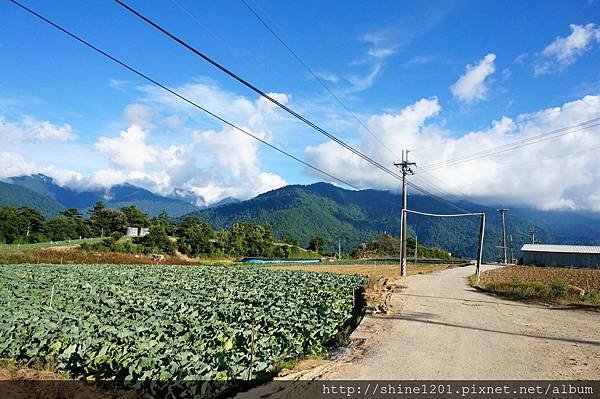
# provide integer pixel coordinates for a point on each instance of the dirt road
(443, 329)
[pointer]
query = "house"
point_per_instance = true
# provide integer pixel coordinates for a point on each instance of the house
(561, 255)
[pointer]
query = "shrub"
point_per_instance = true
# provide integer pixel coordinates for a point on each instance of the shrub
(591, 296)
(558, 288)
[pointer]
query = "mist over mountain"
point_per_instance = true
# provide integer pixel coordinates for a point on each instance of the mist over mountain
(322, 209)
(117, 196)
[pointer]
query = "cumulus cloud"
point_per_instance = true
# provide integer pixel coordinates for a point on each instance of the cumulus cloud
(564, 51)
(30, 130)
(471, 86)
(212, 163)
(128, 149)
(12, 164)
(540, 175)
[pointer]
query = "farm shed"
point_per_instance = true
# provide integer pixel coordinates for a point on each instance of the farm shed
(561, 255)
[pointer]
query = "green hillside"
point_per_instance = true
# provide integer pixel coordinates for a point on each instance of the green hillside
(17, 196)
(356, 217)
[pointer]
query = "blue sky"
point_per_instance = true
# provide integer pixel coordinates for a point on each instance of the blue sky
(381, 59)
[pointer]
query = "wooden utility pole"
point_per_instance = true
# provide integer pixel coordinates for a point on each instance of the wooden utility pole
(512, 259)
(406, 168)
(504, 255)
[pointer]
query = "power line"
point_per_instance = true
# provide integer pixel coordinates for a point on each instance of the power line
(422, 190)
(317, 78)
(446, 192)
(209, 31)
(515, 145)
(368, 159)
(257, 90)
(146, 77)
(516, 142)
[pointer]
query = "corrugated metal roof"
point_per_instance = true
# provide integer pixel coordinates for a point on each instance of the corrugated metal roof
(572, 249)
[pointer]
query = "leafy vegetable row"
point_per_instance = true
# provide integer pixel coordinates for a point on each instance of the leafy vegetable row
(142, 324)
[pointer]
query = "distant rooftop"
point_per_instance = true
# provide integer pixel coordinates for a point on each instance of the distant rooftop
(573, 249)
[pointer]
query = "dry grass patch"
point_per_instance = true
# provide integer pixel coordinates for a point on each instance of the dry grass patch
(373, 271)
(557, 285)
(77, 256)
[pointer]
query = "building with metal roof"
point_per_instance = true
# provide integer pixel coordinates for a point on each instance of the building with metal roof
(561, 255)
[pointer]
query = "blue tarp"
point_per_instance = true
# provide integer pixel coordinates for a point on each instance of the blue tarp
(259, 260)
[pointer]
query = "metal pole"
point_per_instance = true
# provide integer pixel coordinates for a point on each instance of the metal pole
(504, 257)
(480, 247)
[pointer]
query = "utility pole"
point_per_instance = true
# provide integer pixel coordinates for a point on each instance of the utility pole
(533, 235)
(502, 212)
(339, 249)
(512, 259)
(406, 168)
(416, 248)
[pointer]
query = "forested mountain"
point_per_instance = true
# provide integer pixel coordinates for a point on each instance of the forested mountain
(116, 197)
(17, 196)
(359, 216)
(324, 210)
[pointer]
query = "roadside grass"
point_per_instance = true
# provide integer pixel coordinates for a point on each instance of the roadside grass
(77, 256)
(561, 286)
(51, 244)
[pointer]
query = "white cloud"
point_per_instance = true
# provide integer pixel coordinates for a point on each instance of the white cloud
(362, 83)
(400, 130)
(382, 52)
(328, 76)
(209, 162)
(30, 130)
(139, 114)
(471, 86)
(420, 60)
(542, 175)
(564, 51)
(128, 149)
(12, 164)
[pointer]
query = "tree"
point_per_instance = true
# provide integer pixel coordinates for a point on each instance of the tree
(290, 240)
(105, 221)
(82, 227)
(195, 237)
(98, 220)
(33, 223)
(10, 226)
(165, 220)
(62, 228)
(135, 217)
(250, 239)
(316, 244)
(157, 240)
(72, 213)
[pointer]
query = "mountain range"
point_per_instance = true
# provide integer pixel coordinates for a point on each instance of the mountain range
(337, 215)
(45, 189)
(351, 217)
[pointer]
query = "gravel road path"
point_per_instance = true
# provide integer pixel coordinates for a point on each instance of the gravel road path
(444, 329)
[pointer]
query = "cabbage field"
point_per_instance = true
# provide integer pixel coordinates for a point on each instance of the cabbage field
(150, 324)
